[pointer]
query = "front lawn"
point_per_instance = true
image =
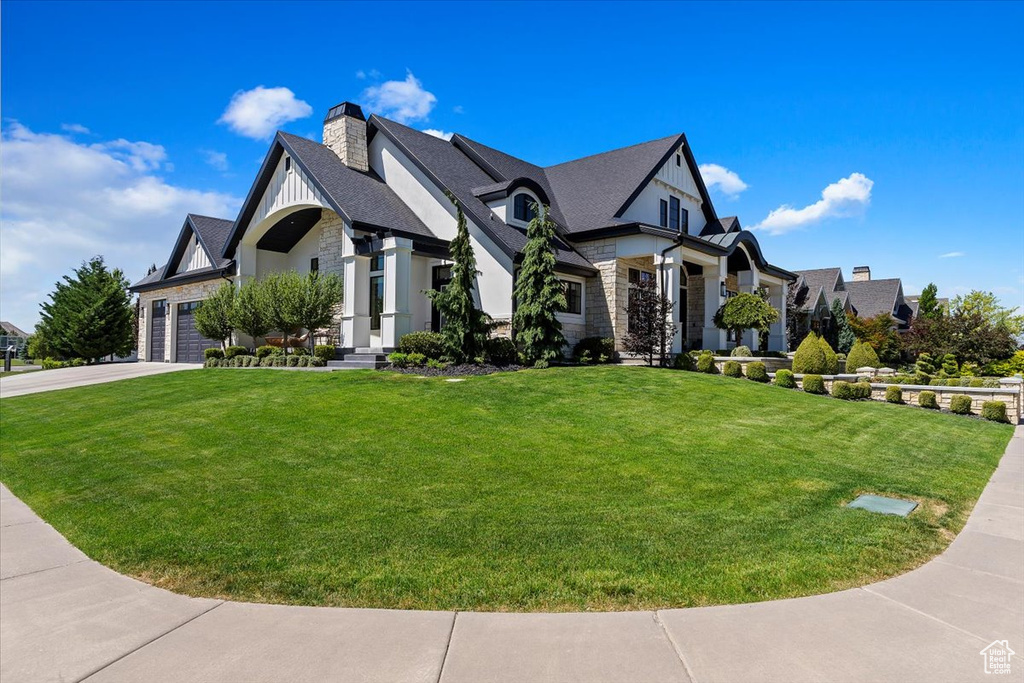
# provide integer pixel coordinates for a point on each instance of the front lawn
(561, 489)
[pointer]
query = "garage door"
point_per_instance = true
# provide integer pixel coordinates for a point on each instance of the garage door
(190, 344)
(157, 328)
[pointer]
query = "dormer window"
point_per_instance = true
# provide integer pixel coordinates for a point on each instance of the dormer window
(522, 208)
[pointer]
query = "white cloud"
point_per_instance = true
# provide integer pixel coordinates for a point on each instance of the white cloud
(438, 133)
(728, 182)
(952, 254)
(458, 109)
(74, 128)
(65, 202)
(846, 197)
(360, 74)
(402, 101)
(257, 113)
(372, 74)
(218, 160)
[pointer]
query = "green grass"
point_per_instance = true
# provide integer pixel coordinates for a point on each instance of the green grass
(562, 489)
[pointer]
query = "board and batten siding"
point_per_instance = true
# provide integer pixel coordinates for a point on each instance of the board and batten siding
(195, 257)
(670, 180)
(286, 188)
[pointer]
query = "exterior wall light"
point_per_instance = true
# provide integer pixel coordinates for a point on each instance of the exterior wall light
(721, 289)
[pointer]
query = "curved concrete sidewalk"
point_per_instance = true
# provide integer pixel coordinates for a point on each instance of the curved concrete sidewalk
(66, 378)
(64, 617)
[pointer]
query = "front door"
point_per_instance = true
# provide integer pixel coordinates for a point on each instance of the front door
(442, 276)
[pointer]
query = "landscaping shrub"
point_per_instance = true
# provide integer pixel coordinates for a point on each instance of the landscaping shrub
(541, 364)
(960, 404)
(938, 382)
(324, 352)
(250, 361)
(426, 344)
(925, 364)
(316, 363)
(976, 382)
(831, 359)
(861, 355)
(742, 352)
(292, 361)
(213, 353)
(809, 356)
(732, 368)
(923, 379)
(862, 390)
(436, 364)
(784, 378)
(305, 361)
(926, 399)
(843, 390)
(267, 350)
(416, 359)
(501, 351)
(706, 363)
(300, 351)
(893, 394)
(757, 371)
(597, 349)
(814, 384)
(280, 361)
(233, 351)
(398, 359)
(265, 362)
(950, 366)
(990, 383)
(683, 361)
(994, 410)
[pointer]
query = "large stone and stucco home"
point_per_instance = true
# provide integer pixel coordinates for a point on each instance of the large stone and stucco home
(370, 204)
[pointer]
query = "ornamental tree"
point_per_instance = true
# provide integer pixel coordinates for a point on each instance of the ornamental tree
(861, 355)
(843, 333)
(539, 294)
(650, 321)
(465, 326)
(317, 302)
(745, 311)
(89, 314)
(281, 293)
(213, 317)
(986, 305)
(249, 314)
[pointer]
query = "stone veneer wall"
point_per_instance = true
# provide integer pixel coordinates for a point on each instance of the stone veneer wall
(645, 263)
(600, 290)
(332, 236)
(193, 291)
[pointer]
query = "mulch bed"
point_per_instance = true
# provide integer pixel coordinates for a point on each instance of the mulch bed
(454, 370)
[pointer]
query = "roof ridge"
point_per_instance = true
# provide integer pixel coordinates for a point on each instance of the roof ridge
(616, 149)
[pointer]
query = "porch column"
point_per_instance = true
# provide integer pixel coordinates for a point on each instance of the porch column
(668, 273)
(396, 320)
(246, 254)
(777, 295)
(714, 276)
(355, 316)
(749, 283)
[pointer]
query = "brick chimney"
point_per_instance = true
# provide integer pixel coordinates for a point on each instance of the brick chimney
(861, 273)
(345, 135)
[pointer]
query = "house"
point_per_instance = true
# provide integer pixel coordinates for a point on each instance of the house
(12, 335)
(815, 290)
(370, 204)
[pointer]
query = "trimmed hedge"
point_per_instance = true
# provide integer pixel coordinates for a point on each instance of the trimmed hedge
(742, 352)
(960, 404)
(861, 355)
(809, 357)
(268, 350)
(732, 368)
(594, 350)
(324, 352)
(862, 390)
(843, 390)
(994, 410)
(213, 353)
(926, 399)
(233, 351)
(501, 351)
(706, 363)
(784, 378)
(428, 344)
(893, 394)
(684, 361)
(831, 359)
(757, 371)
(814, 384)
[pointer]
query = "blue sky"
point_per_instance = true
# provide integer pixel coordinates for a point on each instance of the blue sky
(115, 125)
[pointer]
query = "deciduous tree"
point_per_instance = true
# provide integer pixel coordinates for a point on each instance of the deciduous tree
(745, 311)
(213, 317)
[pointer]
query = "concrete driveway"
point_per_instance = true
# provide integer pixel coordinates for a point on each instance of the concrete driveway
(65, 617)
(66, 378)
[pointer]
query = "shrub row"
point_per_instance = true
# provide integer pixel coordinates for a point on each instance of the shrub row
(928, 380)
(54, 364)
(851, 391)
(415, 360)
(274, 360)
(595, 350)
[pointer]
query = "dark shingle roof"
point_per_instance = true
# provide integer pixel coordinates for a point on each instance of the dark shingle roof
(819, 280)
(722, 225)
(213, 234)
(456, 172)
(12, 330)
(873, 297)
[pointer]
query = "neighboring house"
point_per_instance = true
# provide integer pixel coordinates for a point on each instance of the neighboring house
(914, 301)
(370, 204)
(12, 335)
(815, 290)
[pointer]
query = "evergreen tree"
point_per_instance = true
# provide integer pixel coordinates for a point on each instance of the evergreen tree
(844, 336)
(539, 294)
(248, 314)
(213, 317)
(89, 315)
(465, 326)
(928, 305)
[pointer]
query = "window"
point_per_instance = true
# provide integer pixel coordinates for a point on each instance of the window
(376, 291)
(663, 219)
(573, 297)
(287, 164)
(314, 264)
(684, 224)
(673, 213)
(523, 209)
(679, 160)
(376, 262)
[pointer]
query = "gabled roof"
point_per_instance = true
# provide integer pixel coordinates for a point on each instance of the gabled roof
(873, 297)
(12, 330)
(730, 241)
(360, 198)
(720, 226)
(211, 233)
(451, 169)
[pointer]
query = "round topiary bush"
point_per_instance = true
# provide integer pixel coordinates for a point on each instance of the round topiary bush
(809, 357)
(926, 399)
(706, 363)
(683, 361)
(831, 359)
(861, 355)
(784, 378)
(862, 390)
(960, 404)
(732, 368)
(994, 410)
(501, 351)
(841, 389)
(814, 384)
(430, 344)
(893, 394)
(742, 352)
(212, 353)
(757, 371)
